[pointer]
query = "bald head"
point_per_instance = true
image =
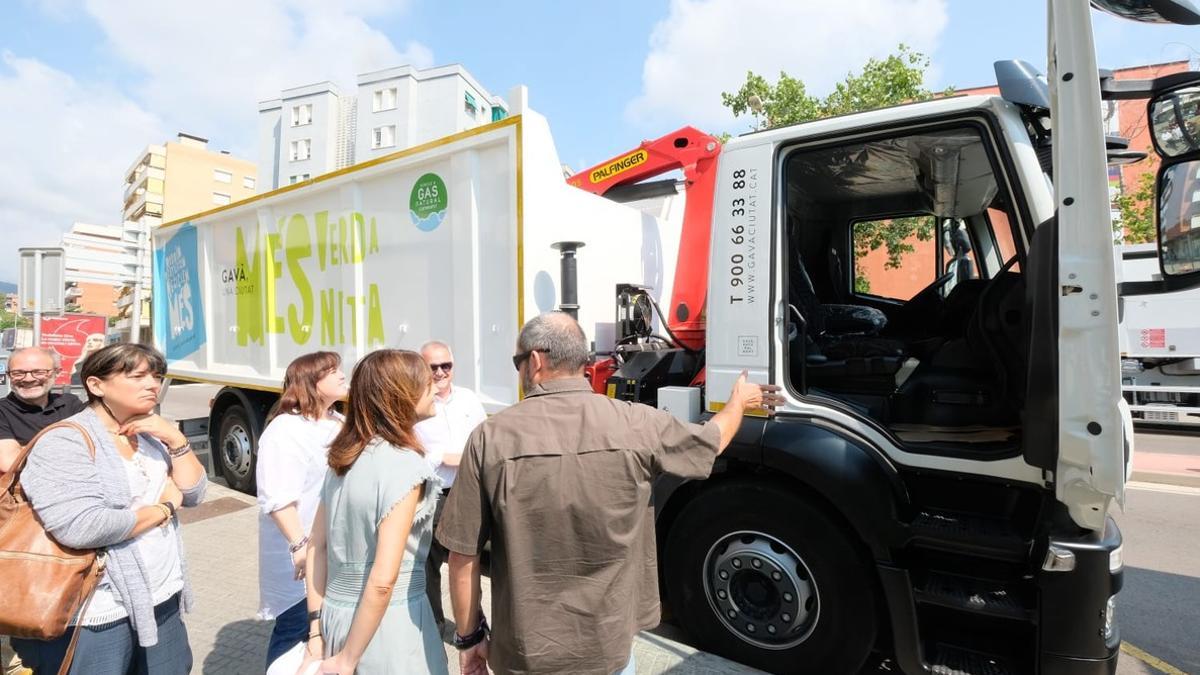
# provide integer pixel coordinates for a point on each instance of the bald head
(559, 338)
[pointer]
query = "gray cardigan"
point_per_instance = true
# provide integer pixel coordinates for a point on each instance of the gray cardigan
(85, 505)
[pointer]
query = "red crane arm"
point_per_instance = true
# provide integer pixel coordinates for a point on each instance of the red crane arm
(695, 153)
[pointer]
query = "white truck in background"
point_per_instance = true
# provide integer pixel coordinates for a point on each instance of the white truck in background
(938, 485)
(1160, 345)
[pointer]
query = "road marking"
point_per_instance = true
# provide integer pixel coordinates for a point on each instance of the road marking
(1163, 487)
(1150, 660)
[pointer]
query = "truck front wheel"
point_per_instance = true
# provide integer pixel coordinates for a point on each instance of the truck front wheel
(236, 449)
(762, 576)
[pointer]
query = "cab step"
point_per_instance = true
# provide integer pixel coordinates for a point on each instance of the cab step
(969, 534)
(977, 596)
(950, 660)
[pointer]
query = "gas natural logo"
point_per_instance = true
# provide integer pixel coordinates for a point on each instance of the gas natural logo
(619, 166)
(427, 202)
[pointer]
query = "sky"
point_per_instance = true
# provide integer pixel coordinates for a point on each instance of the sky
(85, 85)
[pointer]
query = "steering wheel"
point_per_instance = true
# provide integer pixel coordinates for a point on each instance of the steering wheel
(923, 307)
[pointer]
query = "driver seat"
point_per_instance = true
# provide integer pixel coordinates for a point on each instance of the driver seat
(836, 331)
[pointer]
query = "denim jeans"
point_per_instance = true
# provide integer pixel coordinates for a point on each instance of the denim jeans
(112, 649)
(291, 628)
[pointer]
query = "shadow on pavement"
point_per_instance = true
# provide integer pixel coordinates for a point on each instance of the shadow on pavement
(1159, 617)
(240, 648)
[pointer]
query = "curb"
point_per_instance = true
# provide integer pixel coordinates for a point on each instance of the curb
(1166, 477)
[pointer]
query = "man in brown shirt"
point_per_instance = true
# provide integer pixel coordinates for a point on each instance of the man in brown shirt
(560, 484)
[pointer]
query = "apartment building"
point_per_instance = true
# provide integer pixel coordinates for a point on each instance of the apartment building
(98, 264)
(170, 181)
(316, 129)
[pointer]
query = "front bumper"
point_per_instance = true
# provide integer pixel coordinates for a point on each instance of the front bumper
(1078, 634)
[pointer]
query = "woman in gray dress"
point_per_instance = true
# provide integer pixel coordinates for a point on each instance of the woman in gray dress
(366, 581)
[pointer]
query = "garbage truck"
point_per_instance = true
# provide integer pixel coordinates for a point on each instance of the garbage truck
(938, 486)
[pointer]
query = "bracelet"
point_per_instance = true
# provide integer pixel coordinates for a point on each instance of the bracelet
(166, 514)
(292, 548)
(170, 507)
(480, 634)
(182, 450)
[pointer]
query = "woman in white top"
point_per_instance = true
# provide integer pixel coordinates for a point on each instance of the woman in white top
(291, 468)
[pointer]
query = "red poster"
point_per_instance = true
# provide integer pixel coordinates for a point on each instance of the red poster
(73, 336)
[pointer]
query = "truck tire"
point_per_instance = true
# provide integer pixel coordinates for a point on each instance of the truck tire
(236, 449)
(760, 575)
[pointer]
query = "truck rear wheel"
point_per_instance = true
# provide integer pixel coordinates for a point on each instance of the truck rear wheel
(236, 449)
(762, 576)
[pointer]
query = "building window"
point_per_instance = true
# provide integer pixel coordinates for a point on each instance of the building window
(221, 199)
(301, 114)
(384, 99)
(469, 104)
(301, 149)
(292, 180)
(248, 182)
(384, 137)
(222, 176)
(498, 114)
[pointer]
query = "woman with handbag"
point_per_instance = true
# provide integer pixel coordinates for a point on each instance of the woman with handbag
(292, 461)
(366, 561)
(122, 501)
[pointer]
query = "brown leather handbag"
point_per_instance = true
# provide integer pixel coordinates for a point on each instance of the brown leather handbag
(46, 586)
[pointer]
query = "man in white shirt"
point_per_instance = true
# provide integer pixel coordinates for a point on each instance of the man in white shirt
(443, 437)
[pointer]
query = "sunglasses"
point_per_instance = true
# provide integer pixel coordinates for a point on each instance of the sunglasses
(518, 359)
(445, 367)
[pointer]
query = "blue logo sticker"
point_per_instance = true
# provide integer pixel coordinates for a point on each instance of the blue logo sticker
(179, 319)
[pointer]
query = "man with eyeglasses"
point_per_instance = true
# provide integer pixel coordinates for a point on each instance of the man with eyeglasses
(443, 437)
(29, 408)
(560, 485)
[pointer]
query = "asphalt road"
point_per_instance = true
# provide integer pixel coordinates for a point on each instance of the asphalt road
(1169, 442)
(1159, 607)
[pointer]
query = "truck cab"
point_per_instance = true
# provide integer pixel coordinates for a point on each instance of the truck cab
(954, 436)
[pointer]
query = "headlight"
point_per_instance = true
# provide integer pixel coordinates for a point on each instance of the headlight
(1115, 559)
(1110, 611)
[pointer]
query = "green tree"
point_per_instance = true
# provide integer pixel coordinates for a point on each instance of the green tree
(1137, 211)
(11, 320)
(899, 78)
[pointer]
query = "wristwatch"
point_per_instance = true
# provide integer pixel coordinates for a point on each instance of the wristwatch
(481, 633)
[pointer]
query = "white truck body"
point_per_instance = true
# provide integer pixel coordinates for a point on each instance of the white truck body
(347, 263)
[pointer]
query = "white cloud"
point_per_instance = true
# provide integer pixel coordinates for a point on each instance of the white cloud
(198, 70)
(67, 146)
(206, 70)
(705, 47)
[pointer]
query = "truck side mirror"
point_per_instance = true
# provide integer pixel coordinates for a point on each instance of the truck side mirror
(1179, 222)
(1175, 120)
(1175, 123)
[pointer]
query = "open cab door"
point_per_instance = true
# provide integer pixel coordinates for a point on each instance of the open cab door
(1090, 468)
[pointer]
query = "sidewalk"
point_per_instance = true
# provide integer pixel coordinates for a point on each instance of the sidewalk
(1163, 457)
(1161, 467)
(221, 540)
